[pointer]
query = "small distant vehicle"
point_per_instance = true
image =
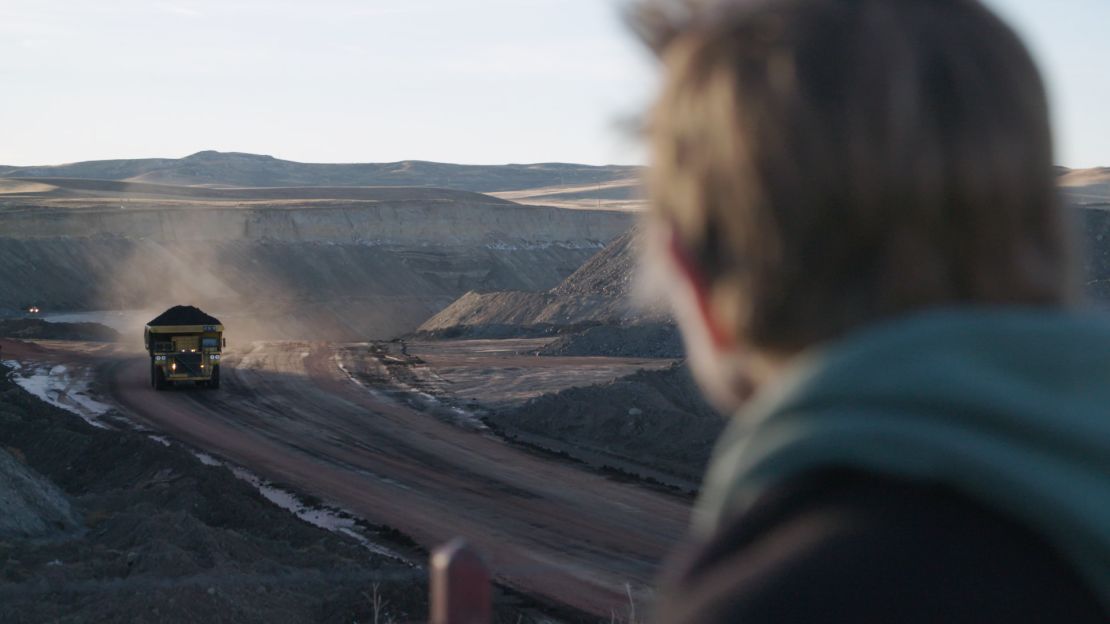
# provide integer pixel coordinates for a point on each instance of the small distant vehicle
(185, 345)
(33, 310)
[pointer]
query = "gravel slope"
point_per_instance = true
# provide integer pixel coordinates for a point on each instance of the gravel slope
(599, 292)
(161, 537)
(655, 419)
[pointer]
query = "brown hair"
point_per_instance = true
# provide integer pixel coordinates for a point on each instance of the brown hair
(828, 163)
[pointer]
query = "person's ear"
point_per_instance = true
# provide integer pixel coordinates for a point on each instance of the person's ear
(690, 272)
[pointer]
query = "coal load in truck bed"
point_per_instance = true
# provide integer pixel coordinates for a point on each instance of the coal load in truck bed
(183, 315)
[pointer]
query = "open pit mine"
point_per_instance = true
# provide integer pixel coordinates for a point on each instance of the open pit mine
(414, 352)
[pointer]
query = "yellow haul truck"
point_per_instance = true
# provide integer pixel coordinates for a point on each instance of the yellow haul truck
(184, 344)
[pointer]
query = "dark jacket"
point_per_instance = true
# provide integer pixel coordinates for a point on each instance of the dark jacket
(978, 444)
(845, 546)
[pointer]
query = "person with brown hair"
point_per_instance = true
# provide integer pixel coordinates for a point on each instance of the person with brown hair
(855, 203)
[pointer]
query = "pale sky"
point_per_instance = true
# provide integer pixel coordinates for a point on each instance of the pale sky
(482, 81)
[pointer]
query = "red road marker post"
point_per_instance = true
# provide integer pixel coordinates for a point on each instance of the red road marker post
(460, 585)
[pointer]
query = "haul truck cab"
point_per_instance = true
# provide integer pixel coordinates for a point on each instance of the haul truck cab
(184, 344)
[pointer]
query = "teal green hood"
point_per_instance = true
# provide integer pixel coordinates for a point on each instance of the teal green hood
(1009, 406)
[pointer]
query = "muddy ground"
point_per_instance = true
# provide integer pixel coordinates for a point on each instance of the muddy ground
(163, 537)
(498, 373)
(642, 417)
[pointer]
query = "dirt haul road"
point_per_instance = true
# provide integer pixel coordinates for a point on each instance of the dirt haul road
(291, 413)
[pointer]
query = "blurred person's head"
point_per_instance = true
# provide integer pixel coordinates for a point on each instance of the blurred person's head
(820, 165)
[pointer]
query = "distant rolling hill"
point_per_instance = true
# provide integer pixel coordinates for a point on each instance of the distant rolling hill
(235, 169)
(44, 189)
(1090, 187)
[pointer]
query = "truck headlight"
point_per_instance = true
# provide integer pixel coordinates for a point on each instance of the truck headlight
(215, 356)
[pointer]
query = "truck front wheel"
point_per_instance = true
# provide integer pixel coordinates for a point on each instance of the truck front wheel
(158, 377)
(214, 382)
